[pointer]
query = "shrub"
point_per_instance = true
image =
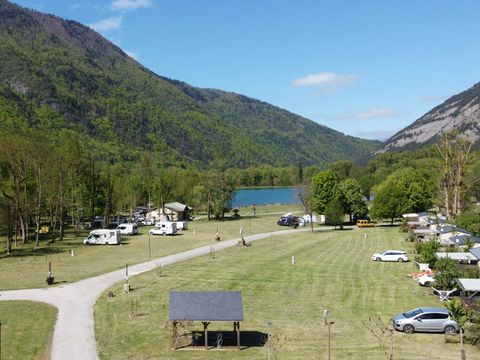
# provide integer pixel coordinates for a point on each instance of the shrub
(426, 251)
(446, 274)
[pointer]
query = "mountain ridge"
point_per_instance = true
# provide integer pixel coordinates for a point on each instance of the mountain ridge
(460, 112)
(58, 74)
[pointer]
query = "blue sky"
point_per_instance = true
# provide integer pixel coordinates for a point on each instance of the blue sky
(365, 68)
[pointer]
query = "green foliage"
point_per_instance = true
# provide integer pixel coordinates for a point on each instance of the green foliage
(352, 199)
(57, 75)
(325, 189)
(406, 190)
(334, 213)
(426, 251)
(470, 221)
(446, 273)
(457, 311)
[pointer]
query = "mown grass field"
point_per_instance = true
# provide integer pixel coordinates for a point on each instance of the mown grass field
(333, 271)
(28, 267)
(27, 329)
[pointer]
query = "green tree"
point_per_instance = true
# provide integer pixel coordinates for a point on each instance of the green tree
(469, 220)
(351, 197)
(334, 213)
(446, 274)
(460, 315)
(325, 189)
(455, 153)
(405, 190)
(426, 251)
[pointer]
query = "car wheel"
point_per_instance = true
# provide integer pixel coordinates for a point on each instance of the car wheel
(378, 259)
(450, 329)
(400, 260)
(409, 329)
(105, 243)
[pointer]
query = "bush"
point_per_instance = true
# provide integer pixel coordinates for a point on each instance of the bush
(472, 334)
(471, 273)
(446, 274)
(426, 251)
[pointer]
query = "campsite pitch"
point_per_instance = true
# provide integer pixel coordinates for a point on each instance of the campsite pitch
(332, 271)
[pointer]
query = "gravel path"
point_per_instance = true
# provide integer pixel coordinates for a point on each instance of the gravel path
(74, 334)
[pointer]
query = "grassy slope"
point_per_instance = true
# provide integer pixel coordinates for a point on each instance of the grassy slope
(333, 272)
(29, 268)
(27, 329)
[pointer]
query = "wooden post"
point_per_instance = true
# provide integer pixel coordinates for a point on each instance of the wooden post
(205, 332)
(174, 335)
(237, 326)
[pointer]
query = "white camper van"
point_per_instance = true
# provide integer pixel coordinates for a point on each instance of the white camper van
(128, 229)
(103, 237)
(182, 225)
(164, 228)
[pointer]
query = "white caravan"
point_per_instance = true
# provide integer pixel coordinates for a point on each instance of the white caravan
(182, 225)
(103, 237)
(164, 228)
(128, 229)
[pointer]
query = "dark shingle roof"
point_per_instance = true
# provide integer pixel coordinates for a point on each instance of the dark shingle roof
(205, 306)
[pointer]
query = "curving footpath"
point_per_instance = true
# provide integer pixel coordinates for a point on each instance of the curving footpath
(74, 333)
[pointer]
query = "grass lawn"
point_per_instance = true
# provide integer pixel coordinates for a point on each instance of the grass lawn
(28, 267)
(333, 271)
(27, 329)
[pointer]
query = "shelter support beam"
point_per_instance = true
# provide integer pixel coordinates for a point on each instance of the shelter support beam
(205, 332)
(236, 328)
(174, 335)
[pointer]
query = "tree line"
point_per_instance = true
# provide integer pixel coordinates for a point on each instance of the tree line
(71, 182)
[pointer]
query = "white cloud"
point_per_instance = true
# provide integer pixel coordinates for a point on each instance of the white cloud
(376, 113)
(109, 24)
(130, 4)
(132, 55)
(325, 79)
(381, 135)
(363, 115)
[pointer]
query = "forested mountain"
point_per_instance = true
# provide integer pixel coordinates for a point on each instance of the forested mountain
(460, 112)
(59, 76)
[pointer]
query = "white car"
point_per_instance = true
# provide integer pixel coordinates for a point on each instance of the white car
(391, 255)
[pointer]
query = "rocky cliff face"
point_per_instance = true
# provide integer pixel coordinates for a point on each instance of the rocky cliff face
(460, 112)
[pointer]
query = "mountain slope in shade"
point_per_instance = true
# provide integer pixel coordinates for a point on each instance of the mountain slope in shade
(460, 112)
(58, 75)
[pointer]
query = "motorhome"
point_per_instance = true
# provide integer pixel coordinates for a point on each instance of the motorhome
(164, 228)
(103, 237)
(182, 225)
(128, 229)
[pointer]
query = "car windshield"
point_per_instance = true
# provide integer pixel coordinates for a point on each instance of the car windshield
(412, 313)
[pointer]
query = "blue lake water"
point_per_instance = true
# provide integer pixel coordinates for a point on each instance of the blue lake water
(277, 195)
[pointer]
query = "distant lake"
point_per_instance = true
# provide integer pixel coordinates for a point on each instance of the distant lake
(264, 196)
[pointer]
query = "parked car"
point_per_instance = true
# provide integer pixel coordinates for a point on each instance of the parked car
(365, 223)
(425, 319)
(289, 220)
(426, 280)
(391, 255)
(148, 222)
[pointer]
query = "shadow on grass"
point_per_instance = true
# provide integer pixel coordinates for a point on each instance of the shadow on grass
(31, 251)
(219, 339)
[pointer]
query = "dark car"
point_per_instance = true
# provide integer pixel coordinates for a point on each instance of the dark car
(289, 220)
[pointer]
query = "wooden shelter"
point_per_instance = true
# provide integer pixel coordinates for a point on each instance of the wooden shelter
(206, 307)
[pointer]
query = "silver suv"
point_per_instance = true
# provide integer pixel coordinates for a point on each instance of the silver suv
(425, 319)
